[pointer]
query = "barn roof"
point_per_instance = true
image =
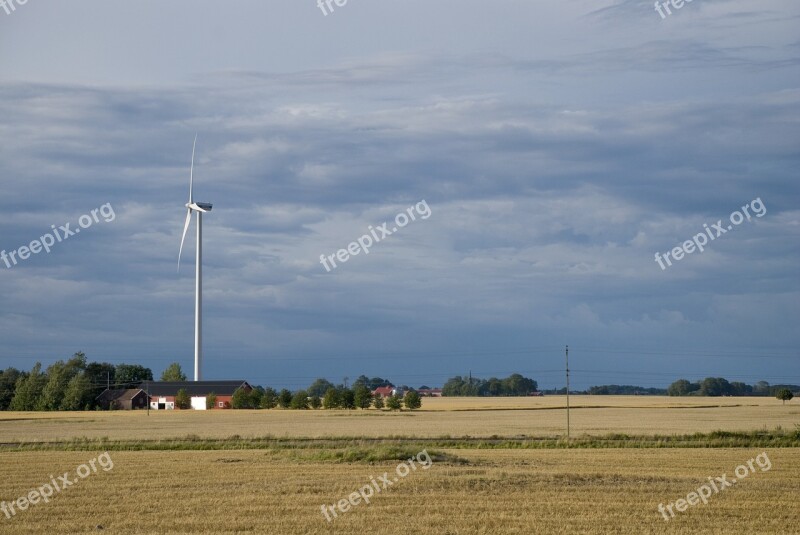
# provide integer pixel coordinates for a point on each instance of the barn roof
(193, 388)
(118, 394)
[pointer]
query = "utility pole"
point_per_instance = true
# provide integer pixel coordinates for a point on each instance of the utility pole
(108, 381)
(148, 398)
(566, 355)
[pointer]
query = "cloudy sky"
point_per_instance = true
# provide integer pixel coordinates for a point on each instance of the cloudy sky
(558, 144)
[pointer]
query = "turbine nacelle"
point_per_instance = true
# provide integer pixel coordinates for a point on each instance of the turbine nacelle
(199, 206)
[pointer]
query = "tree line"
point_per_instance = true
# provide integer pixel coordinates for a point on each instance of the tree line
(75, 384)
(358, 396)
(513, 385)
(719, 386)
(69, 385)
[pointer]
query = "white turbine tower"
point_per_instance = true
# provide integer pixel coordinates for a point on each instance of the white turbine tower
(200, 208)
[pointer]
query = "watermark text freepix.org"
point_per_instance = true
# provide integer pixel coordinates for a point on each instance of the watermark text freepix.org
(9, 7)
(329, 3)
(57, 235)
(704, 492)
(699, 241)
(677, 4)
(57, 484)
(368, 491)
(368, 240)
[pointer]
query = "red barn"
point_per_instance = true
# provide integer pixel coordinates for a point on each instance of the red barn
(162, 393)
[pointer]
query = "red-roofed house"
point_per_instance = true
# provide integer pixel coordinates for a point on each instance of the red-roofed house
(384, 391)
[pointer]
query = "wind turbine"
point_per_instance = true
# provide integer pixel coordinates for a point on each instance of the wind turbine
(200, 208)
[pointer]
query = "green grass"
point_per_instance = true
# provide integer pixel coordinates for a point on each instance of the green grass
(353, 449)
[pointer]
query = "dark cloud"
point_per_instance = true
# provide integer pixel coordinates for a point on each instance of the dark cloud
(552, 177)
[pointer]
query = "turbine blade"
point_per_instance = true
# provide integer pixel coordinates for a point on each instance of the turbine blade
(185, 230)
(191, 170)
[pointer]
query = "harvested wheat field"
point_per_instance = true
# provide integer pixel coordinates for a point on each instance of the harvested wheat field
(473, 417)
(479, 466)
(473, 491)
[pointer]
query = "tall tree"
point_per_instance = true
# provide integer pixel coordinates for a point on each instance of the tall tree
(128, 374)
(173, 373)
(182, 399)
(78, 395)
(681, 387)
(362, 396)
(270, 399)
(331, 399)
(394, 403)
(785, 395)
(412, 401)
(100, 376)
(29, 389)
(319, 387)
(300, 400)
(8, 385)
(284, 398)
(59, 374)
(241, 399)
(348, 398)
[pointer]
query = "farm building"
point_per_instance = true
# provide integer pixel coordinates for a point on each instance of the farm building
(122, 399)
(386, 391)
(383, 391)
(162, 394)
(430, 392)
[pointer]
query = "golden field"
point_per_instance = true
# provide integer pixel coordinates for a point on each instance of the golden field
(474, 417)
(498, 492)
(279, 489)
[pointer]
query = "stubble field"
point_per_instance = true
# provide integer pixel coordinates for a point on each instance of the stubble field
(319, 457)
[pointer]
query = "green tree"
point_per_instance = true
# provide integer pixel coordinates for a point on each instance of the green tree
(362, 396)
(8, 385)
(241, 399)
(270, 399)
(284, 399)
(173, 373)
(715, 386)
(100, 375)
(785, 395)
(377, 402)
(300, 400)
(517, 385)
(761, 388)
(316, 402)
(126, 375)
(412, 401)
(59, 375)
(461, 386)
(331, 399)
(182, 399)
(394, 403)
(319, 387)
(348, 398)
(29, 389)
(681, 387)
(78, 394)
(211, 400)
(256, 395)
(494, 387)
